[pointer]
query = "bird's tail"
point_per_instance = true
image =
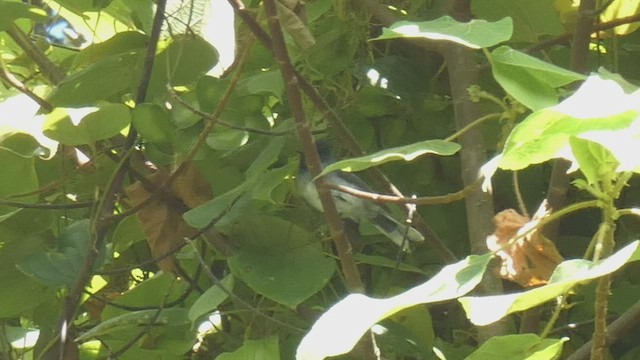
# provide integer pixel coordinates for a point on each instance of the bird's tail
(396, 231)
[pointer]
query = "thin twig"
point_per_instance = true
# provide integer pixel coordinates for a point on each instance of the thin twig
(423, 200)
(47, 206)
(7, 76)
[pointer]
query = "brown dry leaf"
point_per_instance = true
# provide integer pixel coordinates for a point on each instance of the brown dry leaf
(162, 219)
(530, 261)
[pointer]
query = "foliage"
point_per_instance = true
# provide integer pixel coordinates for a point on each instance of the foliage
(148, 206)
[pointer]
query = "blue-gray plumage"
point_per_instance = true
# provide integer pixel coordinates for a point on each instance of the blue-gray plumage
(354, 208)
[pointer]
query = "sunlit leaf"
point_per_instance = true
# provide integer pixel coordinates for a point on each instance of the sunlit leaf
(596, 162)
(340, 327)
(610, 121)
(474, 34)
(406, 153)
(488, 309)
(521, 346)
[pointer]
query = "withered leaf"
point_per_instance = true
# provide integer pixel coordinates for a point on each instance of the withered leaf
(161, 219)
(529, 261)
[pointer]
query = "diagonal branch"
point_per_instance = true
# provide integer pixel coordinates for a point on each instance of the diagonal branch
(345, 252)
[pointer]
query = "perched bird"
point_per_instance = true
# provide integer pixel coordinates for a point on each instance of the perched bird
(354, 208)
(58, 31)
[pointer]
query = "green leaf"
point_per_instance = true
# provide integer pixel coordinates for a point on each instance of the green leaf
(340, 327)
(488, 309)
(406, 153)
(153, 123)
(474, 34)
(596, 162)
(120, 43)
(105, 122)
(109, 78)
(137, 319)
(262, 349)
(521, 346)
(529, 80)
(211, 299)
(181, 64)
(544, 135)
(532, 20)
(274, 254)
(151, 292)
(11, 11)
(61, 267)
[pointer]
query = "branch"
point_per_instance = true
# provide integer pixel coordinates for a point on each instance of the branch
(424, 200)
(595, 28)
(343, 246)
(50, 71)
(47, 206)
(100, 223)
(7, 76)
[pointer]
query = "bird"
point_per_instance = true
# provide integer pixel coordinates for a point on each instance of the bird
(351, 207)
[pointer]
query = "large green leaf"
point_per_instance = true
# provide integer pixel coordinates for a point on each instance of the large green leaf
(521, 347)
(105, 122)
(474, 34)
(181, 63)
(109, 78)
(406, 153)
(340, 327)
(599, 111)
(484, 310)
(529, 80)
(274, 254)
(531, 19)
(10, 11)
